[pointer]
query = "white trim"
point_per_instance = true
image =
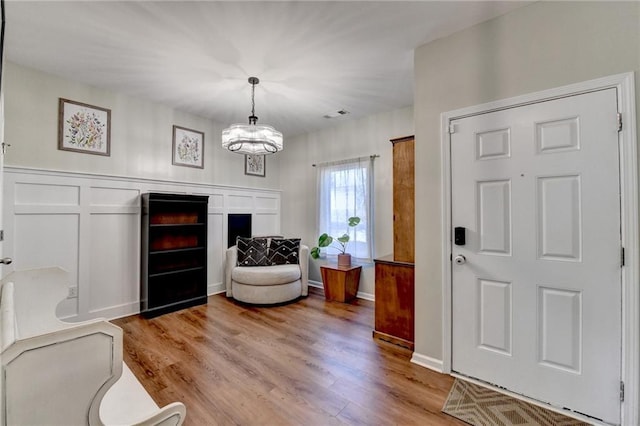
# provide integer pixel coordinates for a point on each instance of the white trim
(366, 296)
(316, 284)
(133, 308)
(446, 243)
(427, 362)
(624, 85)
(216, 288)
(629, 205)
(111, 312)
(81, 203)
(128, 179)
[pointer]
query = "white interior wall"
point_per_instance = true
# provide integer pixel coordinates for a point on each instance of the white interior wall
(544, 45)
(90, 225)
(348, 139)
(141, 134)
(541, 46)
(141, 148)
(82, 211)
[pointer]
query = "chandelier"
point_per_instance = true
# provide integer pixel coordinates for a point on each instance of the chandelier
(252, 138)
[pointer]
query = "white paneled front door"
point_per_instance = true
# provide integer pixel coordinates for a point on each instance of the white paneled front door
(536, 289)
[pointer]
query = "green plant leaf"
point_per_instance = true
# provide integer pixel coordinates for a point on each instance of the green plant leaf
(353, 221)
(324, 240)
(315, 252)
(344, 239)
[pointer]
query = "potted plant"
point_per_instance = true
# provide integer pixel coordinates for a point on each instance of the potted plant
(326, 240)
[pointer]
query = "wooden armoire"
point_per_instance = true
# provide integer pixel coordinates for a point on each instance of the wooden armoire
(394, 274)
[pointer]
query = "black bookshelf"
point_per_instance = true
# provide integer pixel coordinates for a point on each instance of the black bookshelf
(174, 252)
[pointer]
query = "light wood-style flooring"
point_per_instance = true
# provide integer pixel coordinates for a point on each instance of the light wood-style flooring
(311, 362)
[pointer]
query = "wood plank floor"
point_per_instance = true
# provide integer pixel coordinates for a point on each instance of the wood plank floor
(311, 362)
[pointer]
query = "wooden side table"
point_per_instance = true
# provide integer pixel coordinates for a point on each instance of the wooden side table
(340, 283)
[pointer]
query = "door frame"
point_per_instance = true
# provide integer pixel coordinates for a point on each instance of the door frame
(627, 145)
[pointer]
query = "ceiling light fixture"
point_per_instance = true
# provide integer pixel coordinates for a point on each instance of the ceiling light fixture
(252, 138)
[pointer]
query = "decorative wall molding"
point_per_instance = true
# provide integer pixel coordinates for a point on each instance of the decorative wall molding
(89, 224)
(36, 171)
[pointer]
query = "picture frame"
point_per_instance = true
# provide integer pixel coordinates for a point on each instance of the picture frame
(188, 147)
(255, 164)
(84, 128)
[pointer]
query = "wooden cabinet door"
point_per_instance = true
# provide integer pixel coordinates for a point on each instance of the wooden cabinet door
(394, 316)
(403, 199)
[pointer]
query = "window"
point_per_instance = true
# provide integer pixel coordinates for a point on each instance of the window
(345, 189)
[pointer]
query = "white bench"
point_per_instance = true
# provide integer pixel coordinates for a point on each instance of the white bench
(59, 373)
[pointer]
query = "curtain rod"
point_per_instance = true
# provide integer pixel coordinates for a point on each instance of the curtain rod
(349, 160)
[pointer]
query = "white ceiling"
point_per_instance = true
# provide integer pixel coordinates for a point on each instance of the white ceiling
(312, 58)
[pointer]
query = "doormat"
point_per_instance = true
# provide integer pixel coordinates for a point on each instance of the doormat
(480, 406)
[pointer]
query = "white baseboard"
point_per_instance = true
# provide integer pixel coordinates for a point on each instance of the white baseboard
(360, 295)
(316, 284)
(133, 308)
(216, 289)
(428, 362)
(366, 296)
(41, 205)
(110, 313)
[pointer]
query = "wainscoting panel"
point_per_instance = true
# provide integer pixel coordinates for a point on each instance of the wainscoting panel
(90, 224)
(28, 193)
(120, 197)
(240, 203)
(42, 240)
(216, 252)
(216, 202)
(114, 261)
(267, 203)
(264, 223)
(55, 236)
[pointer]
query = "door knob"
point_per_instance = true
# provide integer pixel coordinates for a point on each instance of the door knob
(6, 260)
(460, 259)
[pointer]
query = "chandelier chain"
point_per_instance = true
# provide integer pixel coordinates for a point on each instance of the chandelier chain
(252, 118)
(253, 99)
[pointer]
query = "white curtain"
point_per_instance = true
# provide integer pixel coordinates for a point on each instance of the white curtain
(345, 189)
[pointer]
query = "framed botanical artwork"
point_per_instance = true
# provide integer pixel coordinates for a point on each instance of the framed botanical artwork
(84, 128)
(255, 165)
(188, 147)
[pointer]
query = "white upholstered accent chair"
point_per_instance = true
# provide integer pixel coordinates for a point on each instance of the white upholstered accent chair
(61, 373)
(266, 284)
